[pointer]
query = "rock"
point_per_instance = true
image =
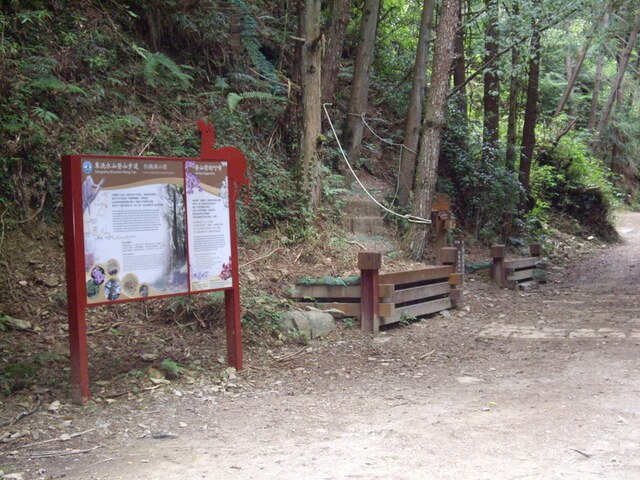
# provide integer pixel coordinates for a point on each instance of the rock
(15, 323)
(65, 437)
(335, 313)
(51, 282)
(23, 283)
(149, 357)
(251, 278)
(311, 324)
(54, 406)
(469, 380)
(13, 476)
(445, 314)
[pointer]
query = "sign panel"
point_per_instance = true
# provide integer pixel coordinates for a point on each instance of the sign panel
(154, 227)
(208, 220)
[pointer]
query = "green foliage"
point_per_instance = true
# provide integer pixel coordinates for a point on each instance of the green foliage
(233, 99)
(571, 180)
(171, 368)
(161, 70)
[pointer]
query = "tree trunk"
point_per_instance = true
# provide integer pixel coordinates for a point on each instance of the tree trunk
(353, 129)
(434, 122)
(460, 69)
(335, 34)
(597, 81)
(309, 163)
(530, 114)
(574, 75)
(416, 99)
(491, 98)
(512, 121)
(622, 67)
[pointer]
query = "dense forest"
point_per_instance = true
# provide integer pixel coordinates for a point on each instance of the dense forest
(519, 110)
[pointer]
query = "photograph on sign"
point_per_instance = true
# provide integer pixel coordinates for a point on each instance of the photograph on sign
(209, 234)
(134, 229)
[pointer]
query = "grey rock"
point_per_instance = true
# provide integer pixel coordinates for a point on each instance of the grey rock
(335, 313)
(51, 282)
(15, 323)
(311, 324)
(251, 278)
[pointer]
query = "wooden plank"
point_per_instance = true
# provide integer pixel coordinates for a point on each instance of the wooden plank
(417, 310)
(386, 291)
(353, 309)
(416, 293)
(521, 262)
(325, 291)
(521, 275)
(410, 276)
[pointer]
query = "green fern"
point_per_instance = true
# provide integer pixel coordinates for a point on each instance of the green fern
(52, 84)
(233, 99)
(45, 115)
(158, 67)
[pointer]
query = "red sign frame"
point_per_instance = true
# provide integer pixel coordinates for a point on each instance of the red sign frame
(75, 253)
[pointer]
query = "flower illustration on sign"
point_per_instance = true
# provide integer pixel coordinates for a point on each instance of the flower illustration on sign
(226, 270)
(193, 182)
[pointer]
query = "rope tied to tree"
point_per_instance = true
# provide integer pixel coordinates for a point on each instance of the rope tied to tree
(408, 217)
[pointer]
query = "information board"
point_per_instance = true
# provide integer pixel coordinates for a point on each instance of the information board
(154, 227)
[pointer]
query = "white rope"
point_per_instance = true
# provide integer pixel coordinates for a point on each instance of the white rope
(408, 216)
(388, 142)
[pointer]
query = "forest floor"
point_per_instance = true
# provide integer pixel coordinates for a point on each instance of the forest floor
(539, 384)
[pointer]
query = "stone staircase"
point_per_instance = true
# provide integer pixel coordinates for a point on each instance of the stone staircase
(364, 223)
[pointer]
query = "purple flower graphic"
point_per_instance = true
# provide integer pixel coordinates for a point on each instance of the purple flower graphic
(193, 182)
(226, 270)
(97, 275)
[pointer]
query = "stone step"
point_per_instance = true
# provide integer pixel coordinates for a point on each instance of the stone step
(365, 225)
(362, 206)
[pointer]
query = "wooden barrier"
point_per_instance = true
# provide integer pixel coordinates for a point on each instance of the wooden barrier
(387, 298)
(511, 273)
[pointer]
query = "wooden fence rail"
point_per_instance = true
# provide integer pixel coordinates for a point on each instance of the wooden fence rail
(511, 273)
(386, 298)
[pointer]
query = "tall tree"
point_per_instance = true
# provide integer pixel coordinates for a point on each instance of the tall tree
(354, 126)
(416, 99)
(531, 109)
(512, 119)
(597, 80)
(336, 31)
(622, 68)
(309, 162)
(460, 69)
(491, 97)
(434, 122)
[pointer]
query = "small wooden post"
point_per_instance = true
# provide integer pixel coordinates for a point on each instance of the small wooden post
(498, 253)
(449, 256)
(369, 264)
(535, 249)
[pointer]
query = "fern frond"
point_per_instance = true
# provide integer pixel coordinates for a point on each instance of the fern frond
(45, 115)
(233, 99)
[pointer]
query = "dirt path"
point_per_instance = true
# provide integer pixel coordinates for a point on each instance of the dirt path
(542, 384)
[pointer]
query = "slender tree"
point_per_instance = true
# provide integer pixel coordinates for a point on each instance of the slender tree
(335, 34)
(309, 162)
(354, 126)
(530, 110)
(434, 122)
(491, 82)
(597, 80)
(416, 99)
(622, 68)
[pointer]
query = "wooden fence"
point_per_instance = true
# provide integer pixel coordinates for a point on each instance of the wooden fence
(513, 272)
(387, 298)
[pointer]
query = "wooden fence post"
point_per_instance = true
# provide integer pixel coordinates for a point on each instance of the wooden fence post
(535, 249)
(369, 264)
(498, 253)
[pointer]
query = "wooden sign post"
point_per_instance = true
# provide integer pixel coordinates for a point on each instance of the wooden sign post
(150, 227)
